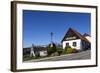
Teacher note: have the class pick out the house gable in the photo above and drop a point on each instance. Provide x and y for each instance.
(72, 35)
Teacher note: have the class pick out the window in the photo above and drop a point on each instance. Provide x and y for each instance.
(45, 52)
(74, 44)
(67, 44)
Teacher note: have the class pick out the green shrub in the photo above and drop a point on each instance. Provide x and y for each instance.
(64, 52)
(68, 50)
(60, 51)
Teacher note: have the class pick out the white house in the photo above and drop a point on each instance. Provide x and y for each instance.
(43, 53)
(75, 40)
(87, 36)
(38, 51)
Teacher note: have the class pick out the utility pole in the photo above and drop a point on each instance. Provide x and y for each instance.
(51, 36)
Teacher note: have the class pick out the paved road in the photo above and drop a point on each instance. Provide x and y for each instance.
(75, 56)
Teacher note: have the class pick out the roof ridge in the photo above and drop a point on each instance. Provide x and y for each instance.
(77, 33)
(86, 34)
(80, 35)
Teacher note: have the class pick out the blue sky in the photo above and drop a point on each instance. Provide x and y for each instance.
(37, 25)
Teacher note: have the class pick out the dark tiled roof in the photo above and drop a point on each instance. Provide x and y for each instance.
(85, 34)
(77, 33)
(40, 48)
(36, 48)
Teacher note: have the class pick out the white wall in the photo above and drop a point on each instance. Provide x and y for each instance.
(88, 38)
(43, 53)
(5, 38)
(78, 44)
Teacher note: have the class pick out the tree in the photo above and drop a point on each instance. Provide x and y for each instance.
(51, 48)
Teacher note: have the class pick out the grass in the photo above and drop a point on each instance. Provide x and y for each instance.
(30, 58)
(62, 52)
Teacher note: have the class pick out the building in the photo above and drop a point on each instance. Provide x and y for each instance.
(35, 51)
(87, 36)
(38, 51)
(75, 40)
(26, 52)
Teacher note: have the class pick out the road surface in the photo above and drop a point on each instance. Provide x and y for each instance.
(75, 56)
